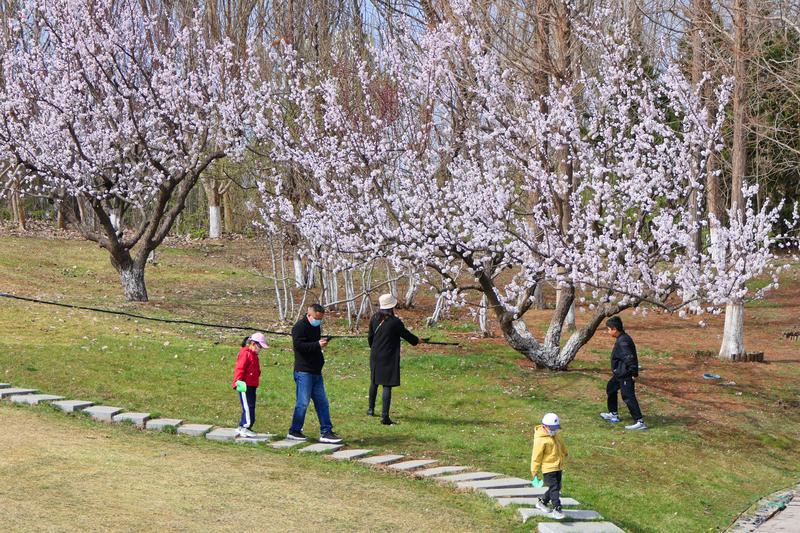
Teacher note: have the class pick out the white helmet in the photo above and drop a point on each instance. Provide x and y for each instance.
(551, 421)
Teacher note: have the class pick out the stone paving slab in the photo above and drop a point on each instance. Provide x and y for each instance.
(160, 424)
(468, 476)
(137, 419)
(572, 514)
(321, 447)
(520, 492)
(407, 466)
(259, 439)
(499, 483)
(13, 391)
(381, 459)
(579, 527)
(222, 434)
(287, 443)
(785, 521)
(71, 406)
(34, 399)
(347, 455)
(439, 470)
(505, 502)
(194, 430)
(102, 413)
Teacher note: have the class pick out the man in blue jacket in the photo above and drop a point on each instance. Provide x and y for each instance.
(624, 369)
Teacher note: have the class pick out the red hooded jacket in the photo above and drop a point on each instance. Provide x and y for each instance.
(247, 368)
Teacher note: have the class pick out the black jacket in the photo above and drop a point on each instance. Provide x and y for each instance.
(385, 332)
(624, 361)
(307, 351)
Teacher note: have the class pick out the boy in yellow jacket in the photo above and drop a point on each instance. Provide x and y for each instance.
(548, 455)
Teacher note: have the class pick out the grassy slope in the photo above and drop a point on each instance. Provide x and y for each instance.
(701, 463)
(82, 477)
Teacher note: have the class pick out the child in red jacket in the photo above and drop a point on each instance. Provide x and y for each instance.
(246, 377)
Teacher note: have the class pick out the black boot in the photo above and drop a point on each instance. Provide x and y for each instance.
(370, 412)
(386, 421)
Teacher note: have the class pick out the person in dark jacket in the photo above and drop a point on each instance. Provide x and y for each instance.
(385, 332)
(624, 370)
(309, 386)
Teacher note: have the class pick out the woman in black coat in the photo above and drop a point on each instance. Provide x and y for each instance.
(385, 332)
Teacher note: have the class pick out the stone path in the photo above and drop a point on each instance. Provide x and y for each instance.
(785, 521)
(507, 491)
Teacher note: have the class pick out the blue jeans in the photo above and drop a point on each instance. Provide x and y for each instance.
(311, 387)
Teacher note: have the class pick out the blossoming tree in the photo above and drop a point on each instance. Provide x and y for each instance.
(437, 156)
(120, 109)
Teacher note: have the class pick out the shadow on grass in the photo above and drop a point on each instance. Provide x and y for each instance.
(656, 421)
(443, 421)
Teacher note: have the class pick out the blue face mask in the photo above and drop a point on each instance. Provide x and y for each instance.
(315, 322)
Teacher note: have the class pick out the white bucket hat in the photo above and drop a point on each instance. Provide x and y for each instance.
(387, 301)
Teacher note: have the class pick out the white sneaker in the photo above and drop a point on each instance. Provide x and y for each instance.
(542, 506)
(610, 417)
(557, 514)
(244, 432)
(639, 425)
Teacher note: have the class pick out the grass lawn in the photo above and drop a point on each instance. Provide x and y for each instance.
(73, 475)
(711, 451)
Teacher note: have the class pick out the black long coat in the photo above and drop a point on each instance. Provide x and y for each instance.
(385, 332)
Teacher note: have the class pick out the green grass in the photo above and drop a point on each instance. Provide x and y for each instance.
(469, 405)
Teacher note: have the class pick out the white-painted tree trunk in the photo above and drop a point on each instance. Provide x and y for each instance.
(214, 221)
(299, 272)
(311, 276)
(483, 321)
(392, 281)
(437, 311)
(333, 290)
(412, 290)
(350, 296)
(733, 334)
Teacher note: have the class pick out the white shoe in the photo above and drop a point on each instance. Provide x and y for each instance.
(244, 432)
(542, 506)
(610, 417)
(639, 425)
(556, 514)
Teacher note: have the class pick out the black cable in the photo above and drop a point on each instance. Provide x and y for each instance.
(181, 321)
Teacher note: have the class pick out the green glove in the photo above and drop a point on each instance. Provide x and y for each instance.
(241, 386)
(537, 482)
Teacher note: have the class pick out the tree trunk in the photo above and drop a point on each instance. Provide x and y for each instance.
(411, 293)
(18, 205)
(538, 296)
(483, 322)
(228, 220)
(214, 221)
(733, 336)
(437, 311)
(569, 320)
(61, 222)
(299, 272)
(733, 333)
(132, 278)
(550, 354)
